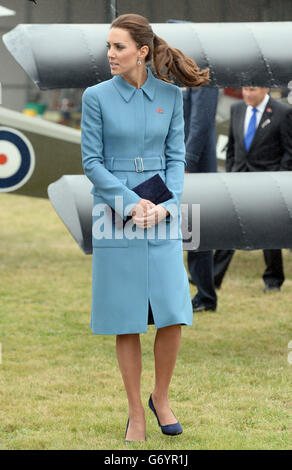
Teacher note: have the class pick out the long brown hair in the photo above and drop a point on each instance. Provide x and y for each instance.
(167, 60)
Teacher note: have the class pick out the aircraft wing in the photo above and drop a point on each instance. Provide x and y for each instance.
(35, 152)
(246, 211)
(75, 55)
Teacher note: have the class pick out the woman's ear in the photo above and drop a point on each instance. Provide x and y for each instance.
(144, 50)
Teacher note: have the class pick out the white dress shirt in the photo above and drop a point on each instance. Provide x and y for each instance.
(260, 109)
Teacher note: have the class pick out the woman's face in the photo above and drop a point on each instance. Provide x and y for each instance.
(123, 53)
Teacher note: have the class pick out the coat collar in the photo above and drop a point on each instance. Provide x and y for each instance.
(263, 104)
(127, 91)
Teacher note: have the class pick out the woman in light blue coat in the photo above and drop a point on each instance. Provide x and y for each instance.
(133, 128)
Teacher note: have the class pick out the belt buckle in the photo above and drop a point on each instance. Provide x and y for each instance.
(141, 160)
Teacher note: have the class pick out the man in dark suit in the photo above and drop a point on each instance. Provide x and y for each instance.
(200, 106)
(260, 139)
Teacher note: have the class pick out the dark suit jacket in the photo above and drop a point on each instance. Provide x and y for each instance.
(200, 106)
(271, 148)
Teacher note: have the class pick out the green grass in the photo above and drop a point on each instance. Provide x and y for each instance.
(60, 386)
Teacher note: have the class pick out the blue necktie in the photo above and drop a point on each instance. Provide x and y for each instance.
(251, 130)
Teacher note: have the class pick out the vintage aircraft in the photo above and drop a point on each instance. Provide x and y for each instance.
(227, 200)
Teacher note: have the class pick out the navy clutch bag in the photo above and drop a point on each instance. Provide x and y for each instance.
(154, 189)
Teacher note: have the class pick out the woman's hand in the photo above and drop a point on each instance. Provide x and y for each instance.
(140, 209)
(152, 214)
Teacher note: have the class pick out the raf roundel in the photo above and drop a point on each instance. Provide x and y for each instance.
(17, 159)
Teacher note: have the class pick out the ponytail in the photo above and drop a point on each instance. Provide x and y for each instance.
(176, 63)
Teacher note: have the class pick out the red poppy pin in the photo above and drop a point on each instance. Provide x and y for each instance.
(269, 110)
(159, 110)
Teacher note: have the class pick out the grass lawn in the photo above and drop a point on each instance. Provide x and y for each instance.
(60, 386)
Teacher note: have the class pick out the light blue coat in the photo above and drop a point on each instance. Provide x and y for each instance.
(129, 135)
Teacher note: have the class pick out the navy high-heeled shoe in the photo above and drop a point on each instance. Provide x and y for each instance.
(169, 429)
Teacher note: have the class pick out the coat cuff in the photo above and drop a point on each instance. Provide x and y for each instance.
(131, 201)
(172, 207)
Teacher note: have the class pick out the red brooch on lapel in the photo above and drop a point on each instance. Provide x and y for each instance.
(159, 110)
(269, 110)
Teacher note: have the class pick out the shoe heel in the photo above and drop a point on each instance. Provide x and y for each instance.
(152, 408)
(169, 429)
(127, 431)
(126, 440)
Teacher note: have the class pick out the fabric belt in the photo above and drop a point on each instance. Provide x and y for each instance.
(137, 164)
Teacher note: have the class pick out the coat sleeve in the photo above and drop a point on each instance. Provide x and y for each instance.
(175, 156)
(286, 137)
(230, 145)
(200, 118)
(106, 184)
